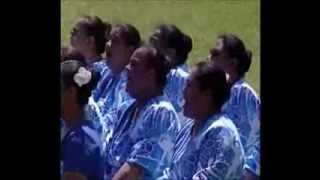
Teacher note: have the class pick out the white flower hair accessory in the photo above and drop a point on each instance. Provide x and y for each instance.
(82, 77)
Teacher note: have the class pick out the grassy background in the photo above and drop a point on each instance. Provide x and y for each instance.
(203, 20)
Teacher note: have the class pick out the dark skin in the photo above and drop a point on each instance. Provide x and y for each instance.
(157, 41)
(219, 57)
(119, 52)
(142, 86)
(198, 103)
(83, 43)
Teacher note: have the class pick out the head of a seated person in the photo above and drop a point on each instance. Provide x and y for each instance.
(147, 73)
(206, 91)
(124, 39)
(172, 42)
(77, 83)
(89, 35)
(231, 55)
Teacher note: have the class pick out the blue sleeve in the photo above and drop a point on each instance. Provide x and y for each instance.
(174, 88)
(253, 141)
(218, 157)
(73, 155)
(154, 151)
(244, 109)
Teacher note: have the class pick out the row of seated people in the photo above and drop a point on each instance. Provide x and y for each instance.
(140, 113)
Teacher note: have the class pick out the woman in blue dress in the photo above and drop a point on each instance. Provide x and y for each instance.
(208, 146)
(142, 142)
(243, 106)
(81, 155)
(110, 91)
(89, 37)
(176, 45)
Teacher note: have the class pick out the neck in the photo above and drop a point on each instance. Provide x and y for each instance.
(202, 118)
(233, 77)
(117, 67)
(72, 116)
(90, 57)
(148, 95)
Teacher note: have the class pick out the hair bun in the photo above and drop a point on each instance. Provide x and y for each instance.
(187, 42)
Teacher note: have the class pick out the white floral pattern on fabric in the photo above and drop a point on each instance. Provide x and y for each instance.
(143, 141)
(176, 82)
(215, 152)
(105, 100)
(243, 108)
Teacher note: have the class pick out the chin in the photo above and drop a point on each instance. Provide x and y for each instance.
(186, 114)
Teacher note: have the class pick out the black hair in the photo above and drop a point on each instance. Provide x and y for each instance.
(68, 69)
(130, 34)
(235, 48)
(73, 54)
(212, 78)
(159, 63)
(174, 38)
(95, 27)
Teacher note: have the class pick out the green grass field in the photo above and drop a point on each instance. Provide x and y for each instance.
(203, 20)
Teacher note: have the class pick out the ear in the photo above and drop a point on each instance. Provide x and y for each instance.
(172, 54)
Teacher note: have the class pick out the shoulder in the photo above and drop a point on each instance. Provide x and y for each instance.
(161, 104)
(161, 111)
(178, 73)
(242, 92)
(222, 127)
(244, 88)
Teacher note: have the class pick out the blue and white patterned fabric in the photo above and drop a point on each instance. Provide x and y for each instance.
(146, 141)
(184, 67)
(105, 100)
(176, 82)
(243, 108)
(215, 152)
(100, 67)
(81, 152)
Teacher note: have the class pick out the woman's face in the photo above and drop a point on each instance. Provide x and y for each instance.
(138, 73)
(218, 56)
(192, 96)
(158, 42)
(79, 39)
(119, 52)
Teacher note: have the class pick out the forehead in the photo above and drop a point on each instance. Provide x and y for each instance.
(219, 44)
(157, 33)
(117, 36)
(157, 36)
(80, 25)
(140, 55)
